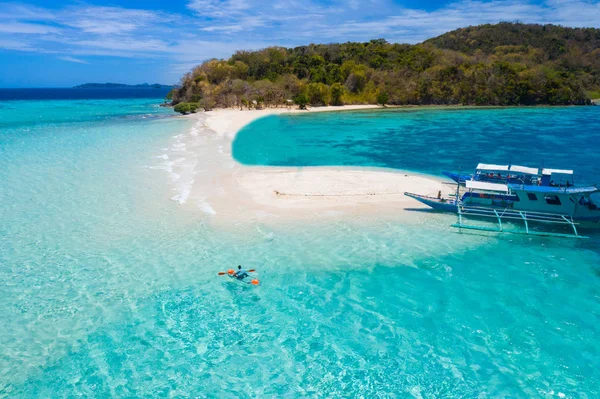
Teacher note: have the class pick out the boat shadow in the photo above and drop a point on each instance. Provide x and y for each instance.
(424, 210)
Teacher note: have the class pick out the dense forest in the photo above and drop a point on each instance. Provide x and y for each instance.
(499, 64)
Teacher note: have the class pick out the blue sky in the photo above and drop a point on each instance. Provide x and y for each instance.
(60, 43)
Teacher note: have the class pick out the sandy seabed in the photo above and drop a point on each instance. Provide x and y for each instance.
(207, 178)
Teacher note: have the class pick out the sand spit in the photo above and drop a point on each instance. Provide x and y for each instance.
(225, 190)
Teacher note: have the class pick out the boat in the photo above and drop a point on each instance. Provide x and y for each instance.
(538, 199)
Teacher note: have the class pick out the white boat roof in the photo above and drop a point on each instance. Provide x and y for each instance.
(559, 171)
(507, 168)
(486, 166)
(524, 169)
(481, 185)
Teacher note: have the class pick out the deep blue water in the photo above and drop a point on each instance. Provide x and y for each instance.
(81, 94)
(429, 140)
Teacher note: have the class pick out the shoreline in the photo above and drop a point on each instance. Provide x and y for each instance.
(354, 107)
(208, 179)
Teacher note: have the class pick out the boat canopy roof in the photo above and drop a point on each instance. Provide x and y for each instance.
(548, 172)
(480, 185)
(524, 169)
(496, 168)
(554, 190)
(508, 168)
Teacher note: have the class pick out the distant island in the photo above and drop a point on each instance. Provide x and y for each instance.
(122, 85)
(494, 64)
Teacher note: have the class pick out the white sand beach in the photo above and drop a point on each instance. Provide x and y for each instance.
(207, 178)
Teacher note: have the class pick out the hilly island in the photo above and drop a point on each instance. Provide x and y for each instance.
(495, 64)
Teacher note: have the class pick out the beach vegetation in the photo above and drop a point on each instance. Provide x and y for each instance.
(170, 94)
(182, 108)
(337, 91)
(382, 98)
(301, 100)
(494, 64)
(318, 94)
(186, 107)
(207, 104)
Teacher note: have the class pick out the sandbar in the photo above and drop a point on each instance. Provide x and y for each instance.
(207, 179)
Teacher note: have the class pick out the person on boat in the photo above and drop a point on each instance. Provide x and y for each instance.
(439, 194)
(241, 273)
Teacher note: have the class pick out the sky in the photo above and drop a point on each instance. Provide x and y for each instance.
(61, 43)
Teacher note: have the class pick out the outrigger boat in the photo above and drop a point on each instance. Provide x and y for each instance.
(536, 199)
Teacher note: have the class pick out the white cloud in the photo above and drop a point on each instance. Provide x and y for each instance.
(233, 16)
(243, 24)
(16, 45)
(139, 45)
(109, 20)
(24, 11)
(219, 8)
(414, 25)
(409, 25)
(216, 28)
(73, 59)
(26, 28)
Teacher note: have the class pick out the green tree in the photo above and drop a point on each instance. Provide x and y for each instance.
(356, 81)
(317, 93)
(301, 100)
(182, 108)
(170, 94)
(186, 108)
(337, 90)
(207, 104)
(382, 98)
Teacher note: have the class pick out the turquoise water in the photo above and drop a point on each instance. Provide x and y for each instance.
(429, 140)
(109, 289)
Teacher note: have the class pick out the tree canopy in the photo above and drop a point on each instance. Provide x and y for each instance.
(500, 64)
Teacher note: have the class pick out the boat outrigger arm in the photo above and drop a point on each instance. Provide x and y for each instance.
(516, 214)
(509, 214)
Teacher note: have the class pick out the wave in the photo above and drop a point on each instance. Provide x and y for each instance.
(181, 167)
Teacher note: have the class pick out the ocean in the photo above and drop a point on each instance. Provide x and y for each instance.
(82, 93)
(429, 140)
(110, 288)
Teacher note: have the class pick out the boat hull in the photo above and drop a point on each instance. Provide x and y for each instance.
(442, 205)
(449, 205)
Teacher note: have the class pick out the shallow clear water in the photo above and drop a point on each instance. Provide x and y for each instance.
(109, 289)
